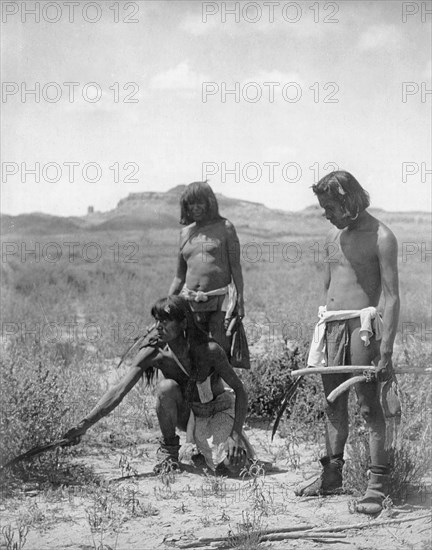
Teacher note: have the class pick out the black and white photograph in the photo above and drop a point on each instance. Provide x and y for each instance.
(216, 283)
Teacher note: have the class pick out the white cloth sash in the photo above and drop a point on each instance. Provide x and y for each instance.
(370, 324)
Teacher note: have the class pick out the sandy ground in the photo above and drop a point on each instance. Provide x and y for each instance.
(147, 512)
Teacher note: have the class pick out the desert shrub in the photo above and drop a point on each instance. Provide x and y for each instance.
(270, 377)
(303, 421)
(39, 399)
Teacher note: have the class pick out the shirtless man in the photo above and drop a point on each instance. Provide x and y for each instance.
(208, 260)
(361, 263)
(193, 367)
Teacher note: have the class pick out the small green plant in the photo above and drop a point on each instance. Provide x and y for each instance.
(167, 473)
(206, 521)
(214, 484)
(247, 535)
(133, 503)
(256, 491)
(9, 534)
(182, 509)
(104, 516)
(165, 493)
(32, 515)
(224, 517)
(125, 466)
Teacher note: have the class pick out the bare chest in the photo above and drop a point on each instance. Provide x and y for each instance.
(206, 243)
(352, 251)
(178, 366)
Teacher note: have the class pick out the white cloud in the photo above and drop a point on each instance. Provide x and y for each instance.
(181, 78)
(380, 37)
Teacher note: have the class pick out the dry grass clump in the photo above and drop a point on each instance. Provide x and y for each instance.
(39, 399)
(247, 534)
(109, 507)
(14, 538)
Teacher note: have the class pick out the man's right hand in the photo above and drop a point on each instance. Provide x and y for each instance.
(384, 369)
(74, 434)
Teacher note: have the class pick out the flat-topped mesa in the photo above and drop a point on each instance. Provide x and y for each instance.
(172, 195)
(132, 197)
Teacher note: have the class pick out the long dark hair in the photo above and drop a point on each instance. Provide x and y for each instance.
(176, 308)
(198, 191)
(344, 188)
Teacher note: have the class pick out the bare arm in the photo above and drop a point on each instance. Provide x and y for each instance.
(233, 248)
(327, 271)
(180, 276)
(109, 401)
(387, 257)
(225, 371)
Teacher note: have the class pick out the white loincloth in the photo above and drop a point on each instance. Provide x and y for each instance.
(370, 324)
(228, 291)
(210, 433)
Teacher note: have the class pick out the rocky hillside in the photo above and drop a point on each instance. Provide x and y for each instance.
(140, 211)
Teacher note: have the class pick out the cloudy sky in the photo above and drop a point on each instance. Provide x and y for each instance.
(147, 103)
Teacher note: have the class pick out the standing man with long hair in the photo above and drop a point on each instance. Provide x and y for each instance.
(208, 273)
(361, 264)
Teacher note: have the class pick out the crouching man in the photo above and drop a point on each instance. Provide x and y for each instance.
(361, 264)
(191, 397)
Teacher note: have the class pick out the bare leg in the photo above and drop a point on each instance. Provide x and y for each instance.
(337, 342)
(171, 409)
(172, 413)
(212, 322)
(371, 410)
(330, 480)
(217, 330)
(337, 416)
(368, 399)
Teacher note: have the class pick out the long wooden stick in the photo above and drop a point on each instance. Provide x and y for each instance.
(364, 524)
(357, 368)
(219, 542)
(34, 451)
(300, 527)
(317, 531)
(303, 535)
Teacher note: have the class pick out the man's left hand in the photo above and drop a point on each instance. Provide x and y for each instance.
(240, 310)
(235, 452)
